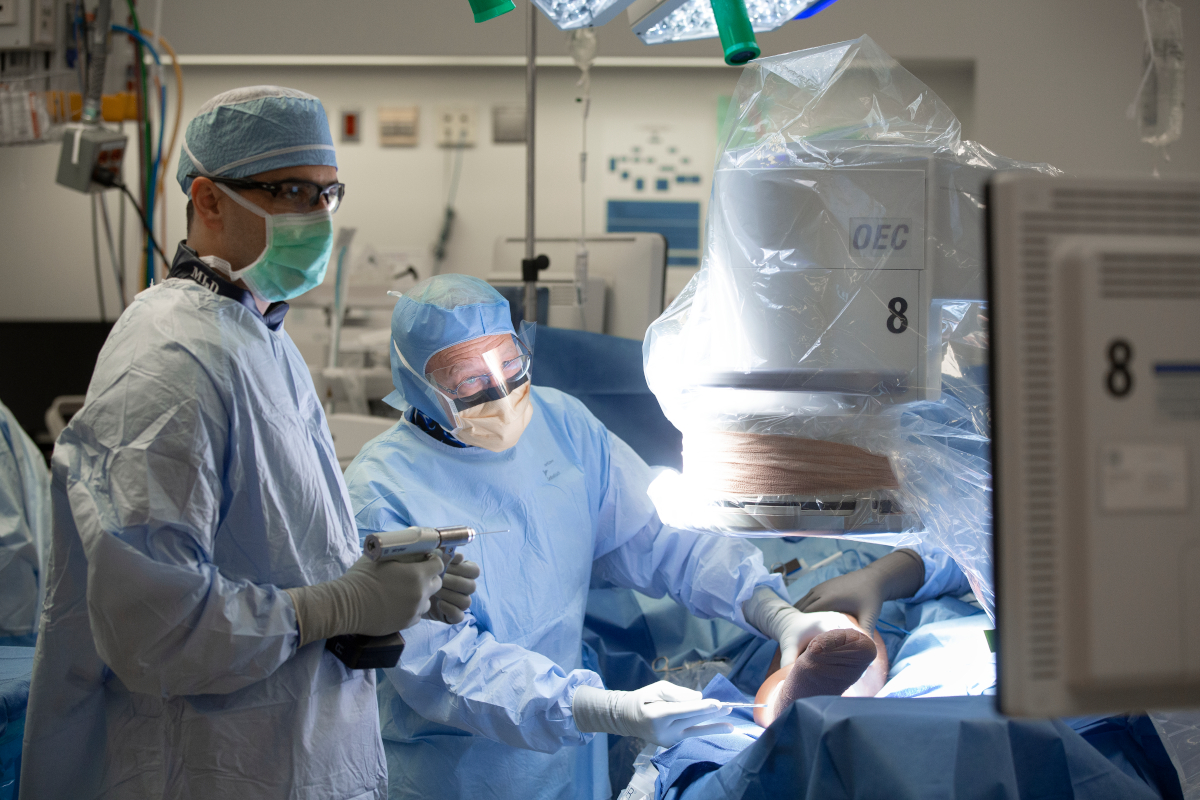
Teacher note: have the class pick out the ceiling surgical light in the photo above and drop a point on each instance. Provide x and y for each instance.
(660, 21)
(570, 14)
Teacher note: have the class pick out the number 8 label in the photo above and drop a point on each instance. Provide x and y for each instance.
(897, 322)
(1119, 380)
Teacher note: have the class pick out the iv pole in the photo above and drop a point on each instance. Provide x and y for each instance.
(530, 266)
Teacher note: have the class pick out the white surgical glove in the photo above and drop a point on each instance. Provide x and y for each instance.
(373, 597)
(662, 713)
(458, 584)
(793, 629)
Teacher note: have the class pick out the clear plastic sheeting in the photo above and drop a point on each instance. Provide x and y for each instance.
(29, 114)
(938, 452)
(827, 365)
(1158, 104)
(1180, 733)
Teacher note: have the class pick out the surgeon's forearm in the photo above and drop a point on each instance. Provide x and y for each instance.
(181, 631)
(492, 689)
(711, 576)
(943, 576)
(725, 574)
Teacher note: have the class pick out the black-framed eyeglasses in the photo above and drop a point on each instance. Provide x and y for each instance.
(299, 194)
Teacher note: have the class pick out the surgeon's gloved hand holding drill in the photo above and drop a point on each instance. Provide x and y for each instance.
(458, 584)
(437, 584)
(375, 598)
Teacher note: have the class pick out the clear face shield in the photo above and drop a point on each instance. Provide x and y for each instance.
(474, 380)
(477, 379)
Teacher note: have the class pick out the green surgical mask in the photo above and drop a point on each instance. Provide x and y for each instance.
(296, 255)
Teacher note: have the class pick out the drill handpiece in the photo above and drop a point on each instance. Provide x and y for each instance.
(359, 651)
(412, 544)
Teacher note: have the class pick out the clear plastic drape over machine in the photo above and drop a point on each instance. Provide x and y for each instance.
(828, 364)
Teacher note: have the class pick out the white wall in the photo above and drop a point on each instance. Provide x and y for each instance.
(1051, 82)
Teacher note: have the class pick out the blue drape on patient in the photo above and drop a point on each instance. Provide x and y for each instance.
(927, 748)
(16, 665)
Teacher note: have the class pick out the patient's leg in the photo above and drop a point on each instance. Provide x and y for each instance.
(871, 678)
(830, 665)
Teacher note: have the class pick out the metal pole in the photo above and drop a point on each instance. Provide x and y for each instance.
(340, 286)
(530, 114)
(95, 87)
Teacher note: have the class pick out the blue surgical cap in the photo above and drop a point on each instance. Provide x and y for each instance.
(255, 129)
(437, 313)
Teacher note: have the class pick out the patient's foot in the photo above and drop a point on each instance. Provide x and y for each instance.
(830, 665)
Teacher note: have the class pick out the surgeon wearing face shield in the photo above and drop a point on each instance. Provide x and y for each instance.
(506, 703)
(203, 545)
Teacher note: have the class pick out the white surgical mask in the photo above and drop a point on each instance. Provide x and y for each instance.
(496, 425)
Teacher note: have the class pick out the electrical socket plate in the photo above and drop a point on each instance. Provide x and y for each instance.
(8, 12)
(457, 126)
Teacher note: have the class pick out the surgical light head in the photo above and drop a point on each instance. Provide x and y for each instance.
(573, 14)
(661, 21)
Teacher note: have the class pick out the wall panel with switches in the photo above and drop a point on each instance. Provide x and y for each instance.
(26, 24)
(457, 126)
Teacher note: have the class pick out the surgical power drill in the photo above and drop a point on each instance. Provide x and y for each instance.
(359, 651)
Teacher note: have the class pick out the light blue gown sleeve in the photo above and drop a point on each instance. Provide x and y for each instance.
(462, 677)
(942, 576)
(142, 466)
(710, 575)
(24, 501)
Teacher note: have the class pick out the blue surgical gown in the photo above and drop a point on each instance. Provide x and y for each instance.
(483, 708)
(198, 481)
(943, 576)
(24, 531)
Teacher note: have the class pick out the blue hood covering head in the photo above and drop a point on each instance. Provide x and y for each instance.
(437, 313)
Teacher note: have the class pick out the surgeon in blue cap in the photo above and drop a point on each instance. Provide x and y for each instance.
(505, 704)
(203, 543)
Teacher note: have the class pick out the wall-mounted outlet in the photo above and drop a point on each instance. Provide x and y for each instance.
(456, 126)
(8, 12)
